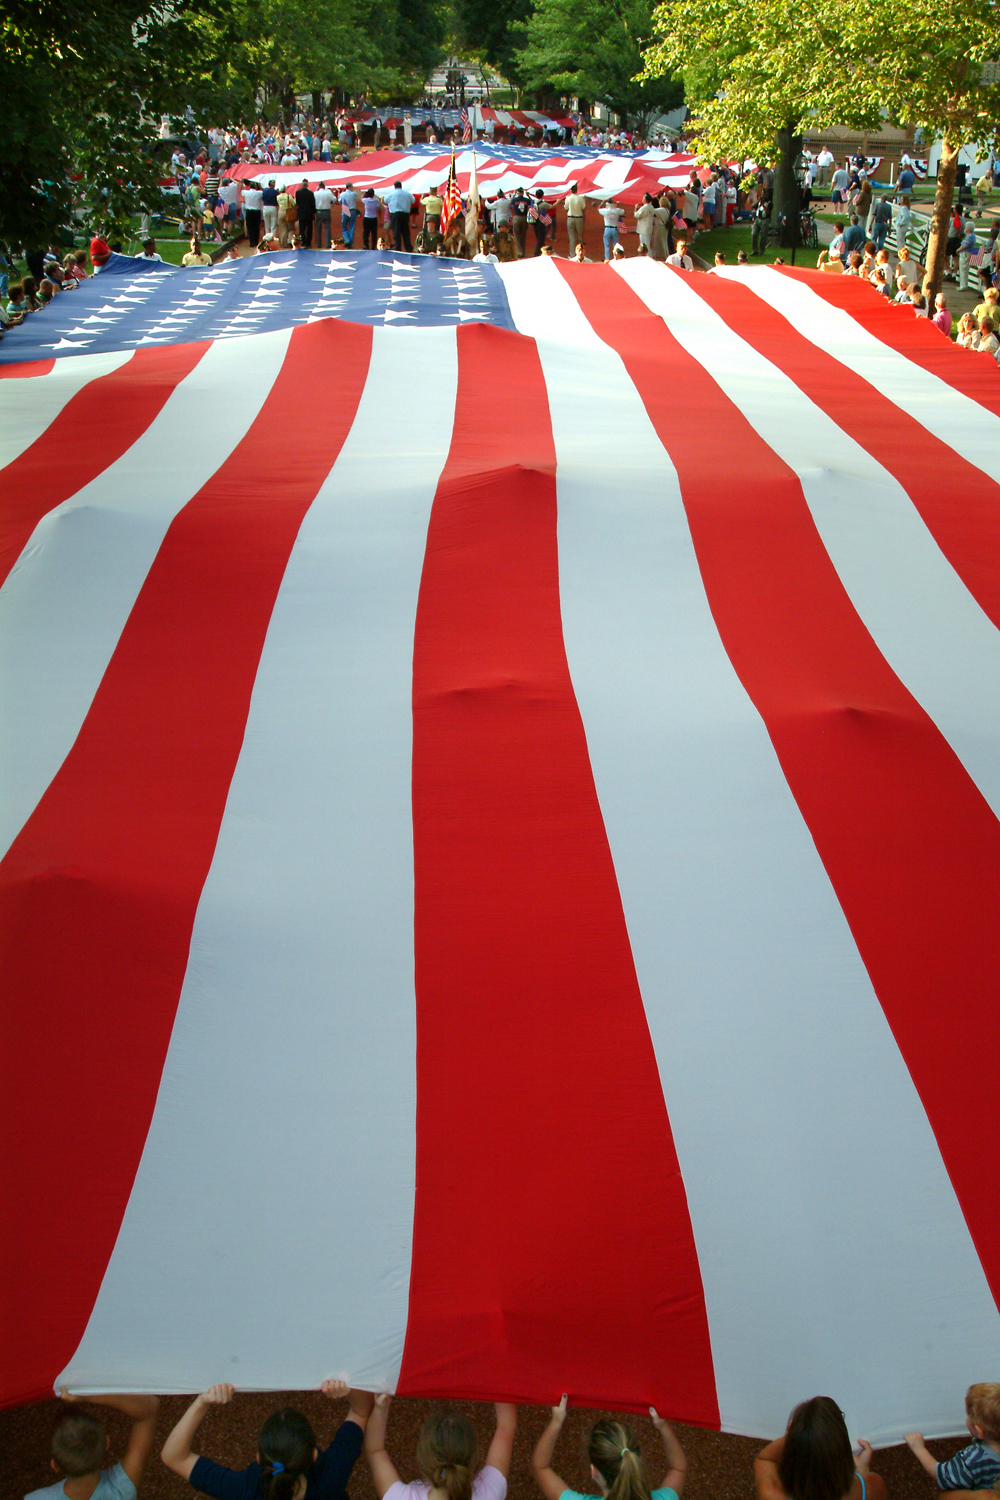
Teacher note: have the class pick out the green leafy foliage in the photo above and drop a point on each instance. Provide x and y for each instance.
(595, 51)
(773, 70)
(85, 86)
(489, 29)
(752, 67)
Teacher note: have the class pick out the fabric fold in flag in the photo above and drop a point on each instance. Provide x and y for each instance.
(508, 755)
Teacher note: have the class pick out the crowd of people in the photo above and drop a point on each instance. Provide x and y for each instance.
(851, 253)
(511, 225)
(519, 222)
(335, 137)
(814, 1459)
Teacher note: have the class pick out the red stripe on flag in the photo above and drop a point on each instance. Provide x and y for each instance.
(92, 431)
(27, 369)
(959, 504)
(539, 1103)
(910, 845)
(98, 893)
(964, 370)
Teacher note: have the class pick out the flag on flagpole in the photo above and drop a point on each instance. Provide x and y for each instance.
(472, 209)
(452, 198)
(466, 126)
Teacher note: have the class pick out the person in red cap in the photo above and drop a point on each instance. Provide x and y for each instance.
(100, 253)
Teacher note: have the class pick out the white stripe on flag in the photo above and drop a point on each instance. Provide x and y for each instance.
(927, 625)
(742, 952)
(28, 406)
(298, 1003)
(62, 610)
(951, 416)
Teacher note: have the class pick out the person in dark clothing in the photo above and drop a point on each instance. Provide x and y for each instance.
(305, 207)
(288, 1466)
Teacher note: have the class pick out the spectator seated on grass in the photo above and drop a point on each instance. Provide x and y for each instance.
(823, 264)
(967, 331)
(942, 317)
(986, 341)
(989, 307)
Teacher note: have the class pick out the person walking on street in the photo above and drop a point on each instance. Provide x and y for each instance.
(324, 207)
(612, 215)
(348, 215)
(400, 202)
(270, 208)
(369, 222)
(305, 206)
(881, 220)
(519, 206)
(253, 201)
(540, 218)
(576, 205)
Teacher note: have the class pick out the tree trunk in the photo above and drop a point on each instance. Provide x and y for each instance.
(317, 103)
(938, 242)
(787, 201)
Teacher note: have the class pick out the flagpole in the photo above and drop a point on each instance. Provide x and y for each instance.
(472, 208)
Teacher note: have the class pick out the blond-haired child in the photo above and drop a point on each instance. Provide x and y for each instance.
(978, 1466)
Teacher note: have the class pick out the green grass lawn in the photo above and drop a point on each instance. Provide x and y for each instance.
(169, 245)
(732, 241)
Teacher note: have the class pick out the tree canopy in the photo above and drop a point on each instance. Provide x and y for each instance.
(595, 51)
(85, 87)
(754, 67)
(490, 29)
(764, 73)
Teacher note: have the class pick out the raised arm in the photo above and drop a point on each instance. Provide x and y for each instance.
(545, 1476)
(383, 1469)
(921, 1452)
(499, 1453)
(176, 1451)
(676, 1462)
(143, 1411)
(359, 1403)
(765, 1471)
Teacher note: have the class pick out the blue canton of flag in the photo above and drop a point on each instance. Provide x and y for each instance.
(135, 304)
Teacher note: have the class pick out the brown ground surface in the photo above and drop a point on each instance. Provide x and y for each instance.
(719, 1466)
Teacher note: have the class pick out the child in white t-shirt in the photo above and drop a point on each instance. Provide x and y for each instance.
(446, 1457)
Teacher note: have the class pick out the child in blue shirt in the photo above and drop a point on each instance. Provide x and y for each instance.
(978, 1466)
(80, 1449)
(615, 1460)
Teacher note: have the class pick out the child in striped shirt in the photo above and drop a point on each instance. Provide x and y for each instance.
(978, 1466)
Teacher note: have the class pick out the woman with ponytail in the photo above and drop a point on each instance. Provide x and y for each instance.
(446, 1457)
(289, 1464)
(615, 1461)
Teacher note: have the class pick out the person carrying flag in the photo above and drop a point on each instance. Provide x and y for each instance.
(452, 204)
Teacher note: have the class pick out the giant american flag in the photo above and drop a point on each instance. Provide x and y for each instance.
(501, 857)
